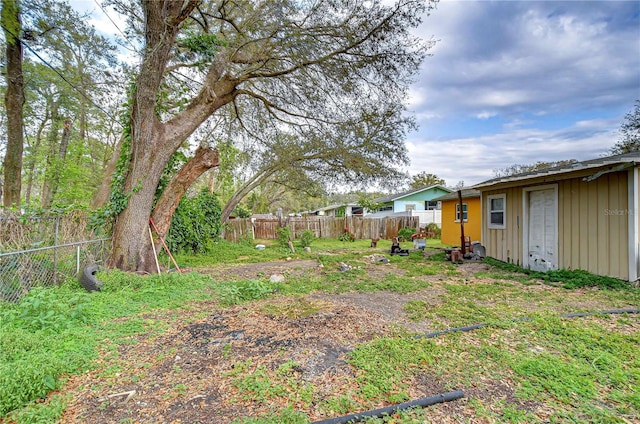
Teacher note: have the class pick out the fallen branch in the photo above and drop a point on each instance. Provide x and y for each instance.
(128, 395)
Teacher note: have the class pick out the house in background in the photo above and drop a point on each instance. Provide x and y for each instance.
(579, 216)
(418, 202)
(471, 215)
(349, 209)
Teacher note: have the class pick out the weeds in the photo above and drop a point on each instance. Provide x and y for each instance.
(582, 370)
(244, 291)
(570, 279)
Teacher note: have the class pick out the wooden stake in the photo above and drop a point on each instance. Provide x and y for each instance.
(153, 247)
(462, 241)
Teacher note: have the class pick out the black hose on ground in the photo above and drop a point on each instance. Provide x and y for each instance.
(574, 315)
(388, 410)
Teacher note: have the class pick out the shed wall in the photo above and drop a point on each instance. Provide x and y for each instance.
(451, 227)
(593, 225)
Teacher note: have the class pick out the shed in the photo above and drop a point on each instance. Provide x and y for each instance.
(471, 214)
(580, 216)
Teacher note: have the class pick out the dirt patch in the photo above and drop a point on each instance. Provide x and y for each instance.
(186, 374)
(261, 269)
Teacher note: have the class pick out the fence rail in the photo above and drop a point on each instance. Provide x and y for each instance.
(322, 227)
(45, 266)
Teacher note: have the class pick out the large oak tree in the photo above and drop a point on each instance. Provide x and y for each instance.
(311, 67)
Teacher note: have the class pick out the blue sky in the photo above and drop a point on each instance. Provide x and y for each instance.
(515, 82)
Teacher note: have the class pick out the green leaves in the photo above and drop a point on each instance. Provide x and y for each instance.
(195, 224)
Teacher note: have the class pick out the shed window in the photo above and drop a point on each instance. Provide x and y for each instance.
(496, 206)
(465, 213)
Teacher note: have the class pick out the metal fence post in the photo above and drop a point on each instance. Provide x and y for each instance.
(55, 252)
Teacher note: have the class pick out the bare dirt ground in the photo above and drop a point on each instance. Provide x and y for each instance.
(177, 377)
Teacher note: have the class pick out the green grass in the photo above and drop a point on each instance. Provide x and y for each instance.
(570, 279)
(577, 370)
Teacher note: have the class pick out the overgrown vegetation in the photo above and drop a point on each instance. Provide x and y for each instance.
(570, 279)
(404, 234)
(195, 225)
(306, 238)
(553, 370)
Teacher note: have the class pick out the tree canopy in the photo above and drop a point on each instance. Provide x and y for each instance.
(520, 168)
(313, 89)
(629, 133)
(425, 179)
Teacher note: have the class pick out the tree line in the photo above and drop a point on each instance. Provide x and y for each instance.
(252, 102)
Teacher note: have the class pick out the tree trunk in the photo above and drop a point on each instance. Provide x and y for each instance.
(204, 159)
(131, 247)
(33, 155)
(102, 195)
(50, 170)
(62, 154)
(14, 101)
(241, 193)
(151, 146)
(153, 142)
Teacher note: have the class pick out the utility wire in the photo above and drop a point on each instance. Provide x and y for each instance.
(59, 74)
(133, 47)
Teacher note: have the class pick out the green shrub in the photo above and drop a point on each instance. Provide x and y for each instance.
(347, 235)
(244, 291)
(435, 229)
(307, 237)
(284, 236)
(43, 309)
(405, 234)
(195, 224)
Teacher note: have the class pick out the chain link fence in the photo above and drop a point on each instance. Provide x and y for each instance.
(46, 266)
(44, 251)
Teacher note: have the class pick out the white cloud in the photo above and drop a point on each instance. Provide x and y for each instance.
(516, 82)
(473, 159)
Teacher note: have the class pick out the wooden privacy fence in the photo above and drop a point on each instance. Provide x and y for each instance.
(322, 227)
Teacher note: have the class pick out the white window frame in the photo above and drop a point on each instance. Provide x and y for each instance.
(465, 211)
(490, 225)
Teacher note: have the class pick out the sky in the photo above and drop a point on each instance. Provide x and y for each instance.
(513, 82)
(517, 82)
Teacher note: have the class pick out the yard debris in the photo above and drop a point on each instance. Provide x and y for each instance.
(377, 259)
(277, 278)
(128, 395)
(396, 250)
(88, 278)
(345, 267)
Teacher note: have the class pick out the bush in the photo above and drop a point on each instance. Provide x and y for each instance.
(195, 224)
(284, 236)
(307, 237)
(405, 233)
(435, 229)
(347, 235)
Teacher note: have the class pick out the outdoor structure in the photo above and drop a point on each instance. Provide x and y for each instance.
(471, 214)
(418, 202)
(580, 216)
(348, 209)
